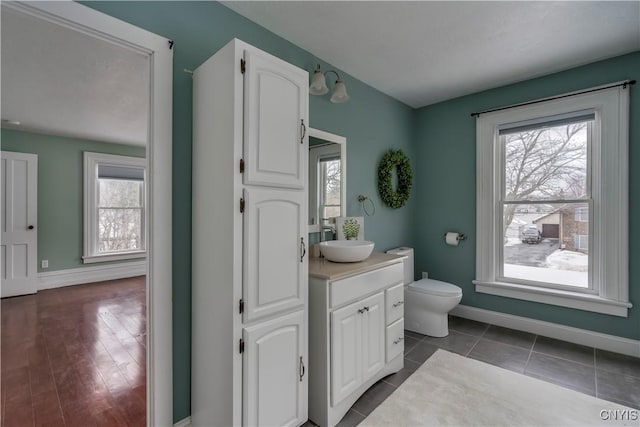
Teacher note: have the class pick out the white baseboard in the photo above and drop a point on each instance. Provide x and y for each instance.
(553, 330)
(185, 422)
(77, 276)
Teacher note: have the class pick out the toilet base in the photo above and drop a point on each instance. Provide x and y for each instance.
(431, 324)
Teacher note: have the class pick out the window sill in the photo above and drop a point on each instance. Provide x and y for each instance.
(561, 298)
(113, 257)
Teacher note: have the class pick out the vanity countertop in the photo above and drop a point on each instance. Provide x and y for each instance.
(321, 268)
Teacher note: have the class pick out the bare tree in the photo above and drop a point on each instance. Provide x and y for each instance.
(332, 188)
(544, 163)
(120, 215)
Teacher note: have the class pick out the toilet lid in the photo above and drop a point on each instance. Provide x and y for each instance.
(436, 287)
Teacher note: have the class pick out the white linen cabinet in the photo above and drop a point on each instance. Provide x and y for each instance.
(249, 263)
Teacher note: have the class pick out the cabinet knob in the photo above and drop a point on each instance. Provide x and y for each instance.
(30, 227)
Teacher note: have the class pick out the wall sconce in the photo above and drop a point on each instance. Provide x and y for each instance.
(318, 86)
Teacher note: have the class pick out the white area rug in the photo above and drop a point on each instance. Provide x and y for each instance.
(449, 389)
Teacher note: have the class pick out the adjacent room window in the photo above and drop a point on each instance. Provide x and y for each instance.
(114, 219)
(552, 201)
(325, 181)
(329, 186)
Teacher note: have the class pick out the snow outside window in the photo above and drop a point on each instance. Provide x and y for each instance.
(552, 214)
(114, 207)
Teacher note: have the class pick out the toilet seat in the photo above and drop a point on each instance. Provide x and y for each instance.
(435, 287)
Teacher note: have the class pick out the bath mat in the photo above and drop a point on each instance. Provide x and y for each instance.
(449, 389)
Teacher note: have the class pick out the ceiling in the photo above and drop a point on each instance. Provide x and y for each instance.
(60, 81)
(424, 52)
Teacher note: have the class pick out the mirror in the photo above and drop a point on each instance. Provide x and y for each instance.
(327, 178)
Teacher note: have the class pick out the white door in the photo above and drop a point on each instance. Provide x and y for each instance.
(373, 339)
(275, 259)
(19, 176)
(275, 122)
(346, 351)
(274, 364)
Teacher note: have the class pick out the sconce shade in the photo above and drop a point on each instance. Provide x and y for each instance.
(318, 84)
(339, 94)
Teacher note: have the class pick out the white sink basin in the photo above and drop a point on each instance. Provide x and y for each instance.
(346, 250)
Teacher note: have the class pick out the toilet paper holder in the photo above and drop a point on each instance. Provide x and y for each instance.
(460, 236)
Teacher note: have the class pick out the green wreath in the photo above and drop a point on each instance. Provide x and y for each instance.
(395, 160)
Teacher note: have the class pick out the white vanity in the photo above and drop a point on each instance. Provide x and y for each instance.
(356, 331)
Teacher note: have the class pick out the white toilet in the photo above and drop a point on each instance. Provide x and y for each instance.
(427, 302)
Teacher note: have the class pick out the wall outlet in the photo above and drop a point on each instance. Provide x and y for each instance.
(425, 275)
(45, 263)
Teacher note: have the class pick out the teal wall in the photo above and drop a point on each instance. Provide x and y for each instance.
(60, 192)
(371, 122)
(440, 139)
(445, 190)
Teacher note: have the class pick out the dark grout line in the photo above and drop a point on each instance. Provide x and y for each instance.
(526, 365)
(392, 385)
(565, 359)
(472, 347)
(358, 412)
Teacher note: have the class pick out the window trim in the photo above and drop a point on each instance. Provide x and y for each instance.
(579, 215)
(90, 254)
(609, 190)
(322, 183)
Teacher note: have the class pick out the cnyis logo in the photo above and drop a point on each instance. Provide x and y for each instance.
(619, 415)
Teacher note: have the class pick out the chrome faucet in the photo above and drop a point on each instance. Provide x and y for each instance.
(323, 229)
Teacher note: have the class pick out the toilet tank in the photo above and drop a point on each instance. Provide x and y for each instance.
(408, 262)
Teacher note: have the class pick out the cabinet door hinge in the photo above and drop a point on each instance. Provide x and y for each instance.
(241, 306)
(241, 165)
(243, 66)
(241, 205)
(241, 346)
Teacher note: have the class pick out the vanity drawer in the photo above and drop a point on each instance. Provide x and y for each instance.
(345, 290)
(394, 303)
(395, 340)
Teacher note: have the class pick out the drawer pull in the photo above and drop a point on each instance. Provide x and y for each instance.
(363, 309)
(399, 303)
(398, 341)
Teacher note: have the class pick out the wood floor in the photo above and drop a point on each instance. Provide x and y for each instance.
(75, 356)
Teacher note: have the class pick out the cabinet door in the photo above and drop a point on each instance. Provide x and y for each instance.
(275, 235)
(275, 384)
(275, 120)
(346, 351)
(373, 336)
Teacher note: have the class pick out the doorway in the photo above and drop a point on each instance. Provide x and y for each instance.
(84, 24)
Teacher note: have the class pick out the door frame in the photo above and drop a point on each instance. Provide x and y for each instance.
(159, 161)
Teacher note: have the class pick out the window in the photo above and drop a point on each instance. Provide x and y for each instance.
(552, 212)
(114, 214)
(329, 187)
(325, 183)
(582, 241)
(582, 214)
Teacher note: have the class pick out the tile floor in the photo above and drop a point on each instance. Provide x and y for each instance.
(599, 373)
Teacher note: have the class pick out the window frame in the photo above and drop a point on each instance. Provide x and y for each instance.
(91, 206)
(609, 204)
(322, 181)
(579, 215)
(316, 154)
